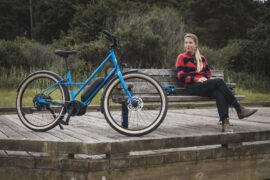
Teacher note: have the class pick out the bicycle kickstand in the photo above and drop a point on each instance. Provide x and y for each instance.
(66, 122)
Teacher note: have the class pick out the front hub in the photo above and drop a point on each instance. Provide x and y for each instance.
(135, 104)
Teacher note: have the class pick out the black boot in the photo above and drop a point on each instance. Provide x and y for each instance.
(226, 128)
(243, 112)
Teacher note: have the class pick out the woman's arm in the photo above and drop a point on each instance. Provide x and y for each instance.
(184, 73)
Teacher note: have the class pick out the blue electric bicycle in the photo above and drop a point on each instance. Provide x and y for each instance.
(45, 100)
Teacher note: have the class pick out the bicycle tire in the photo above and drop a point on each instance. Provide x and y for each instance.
(36, 116)
(149, 114)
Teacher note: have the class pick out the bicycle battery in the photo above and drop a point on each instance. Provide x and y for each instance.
(90, 89)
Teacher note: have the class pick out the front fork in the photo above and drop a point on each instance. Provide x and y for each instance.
(124, 85)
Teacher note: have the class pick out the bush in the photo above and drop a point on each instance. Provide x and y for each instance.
(150, 37)
(220, 58)
(10, 54)
(26, 53)
(153, 39)
(253, 55)
(253, 82)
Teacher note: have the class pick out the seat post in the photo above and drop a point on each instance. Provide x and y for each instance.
(64, 54)
(66, 62)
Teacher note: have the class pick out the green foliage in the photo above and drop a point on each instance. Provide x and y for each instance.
(8, 98)
(25, 53)
(254, 54)
(152, 39)
(149, 36)
(10, 54)
(14, 18)
(221, 58)
(51, 18)
(216, 22)
(89, 19)
(234, 34)
(254, 82)
(251, 96)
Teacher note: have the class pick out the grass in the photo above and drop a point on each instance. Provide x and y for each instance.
(8, 98)
(252, 96)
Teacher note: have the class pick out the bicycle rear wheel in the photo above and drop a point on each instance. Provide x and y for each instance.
(141, 115)
(40, 101)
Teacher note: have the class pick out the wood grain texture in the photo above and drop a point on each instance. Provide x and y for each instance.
(90, 134)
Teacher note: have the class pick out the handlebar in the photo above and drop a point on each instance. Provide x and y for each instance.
(111, 38)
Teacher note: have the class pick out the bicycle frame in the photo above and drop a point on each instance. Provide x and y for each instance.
(68, 81)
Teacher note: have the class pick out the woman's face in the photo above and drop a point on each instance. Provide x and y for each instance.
(190, 45)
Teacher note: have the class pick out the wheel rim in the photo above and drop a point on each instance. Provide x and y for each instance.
(142, 118)
(34, 114)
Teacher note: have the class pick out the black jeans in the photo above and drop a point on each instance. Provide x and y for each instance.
(218, 89)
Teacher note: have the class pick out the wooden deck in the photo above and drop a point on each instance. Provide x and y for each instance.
(186, 135)
(186, 125)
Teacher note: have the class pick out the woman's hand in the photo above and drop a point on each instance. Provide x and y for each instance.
(202, 79)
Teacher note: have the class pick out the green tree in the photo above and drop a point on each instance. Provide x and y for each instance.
(14, 18)
(51, 17)
(254, 55)
(152, 39)
(216, 22)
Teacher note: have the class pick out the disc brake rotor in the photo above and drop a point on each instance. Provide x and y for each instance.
(135, 104)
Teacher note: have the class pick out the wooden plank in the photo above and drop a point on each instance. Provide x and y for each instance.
(168, 72)
(126, 146)
(53, 146)
(93, 125)
(42, 135)
(77, 134)
(79, 124)
(181, 98)
(102, 131)
(174, 79)
(54, 134)
(187, 141)
(2, 135)
(22, 131)
(10, 133)
(62, 135)
(155, 71)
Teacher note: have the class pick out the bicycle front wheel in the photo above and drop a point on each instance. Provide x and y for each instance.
(137, 116)
(40, 101)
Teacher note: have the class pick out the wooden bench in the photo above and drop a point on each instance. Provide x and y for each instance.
(167, 77)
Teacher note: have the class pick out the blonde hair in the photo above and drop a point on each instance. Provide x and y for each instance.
(197, 52)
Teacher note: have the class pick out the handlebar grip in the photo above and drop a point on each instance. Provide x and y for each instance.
(111, 38)
(108, 34)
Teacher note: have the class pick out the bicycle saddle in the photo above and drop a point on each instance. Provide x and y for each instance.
(64, 53)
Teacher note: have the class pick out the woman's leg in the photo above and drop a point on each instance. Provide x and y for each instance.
(222, 105)
(211, 89)
(213, 85)
(218, 84)
(223, 111)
